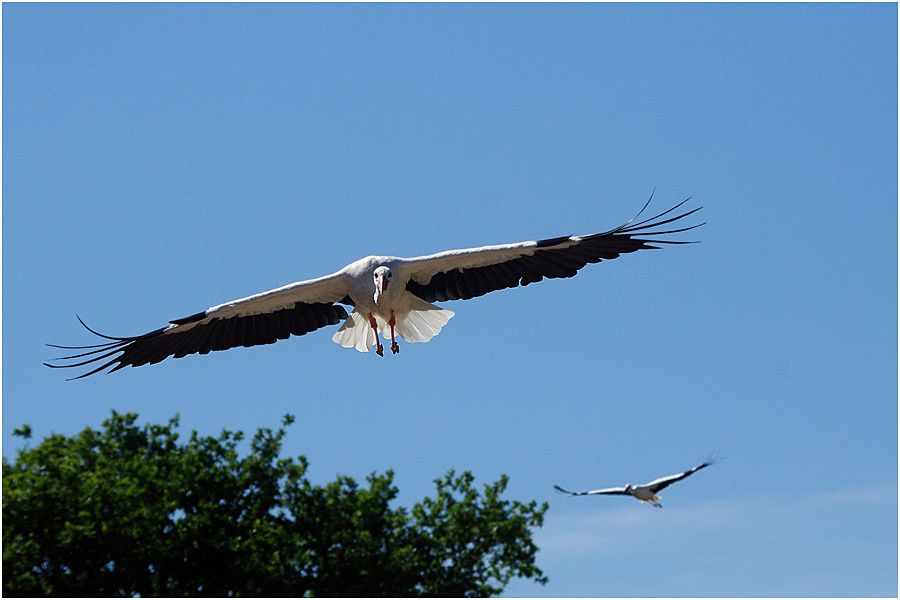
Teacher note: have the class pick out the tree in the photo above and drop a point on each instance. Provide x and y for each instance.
(129, 510)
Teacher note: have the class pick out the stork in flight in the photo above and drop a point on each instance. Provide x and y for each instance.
(646, 492)
(388, 294)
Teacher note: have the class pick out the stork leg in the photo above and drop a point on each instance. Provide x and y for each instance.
(379, 349)
(394, 347)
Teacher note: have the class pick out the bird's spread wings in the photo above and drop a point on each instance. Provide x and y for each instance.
(664, 482)
(464, 274)
(616, 491)
(265, 318)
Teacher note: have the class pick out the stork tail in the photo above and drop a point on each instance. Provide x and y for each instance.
(355, 333)
(422, 322)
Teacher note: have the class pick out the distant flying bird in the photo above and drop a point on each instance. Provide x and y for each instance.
(646, 492)
(389, 294)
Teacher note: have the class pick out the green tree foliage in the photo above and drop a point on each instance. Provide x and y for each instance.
(129, 510)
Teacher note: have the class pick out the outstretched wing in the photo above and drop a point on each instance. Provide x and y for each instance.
(664, 482)
(472, 272)
(265, 318)
(616, 491)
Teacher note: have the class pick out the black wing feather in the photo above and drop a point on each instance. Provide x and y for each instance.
(218, 334)
(606, 492)
(552, 260)
(666, 482)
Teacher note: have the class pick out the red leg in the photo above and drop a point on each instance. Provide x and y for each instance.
(379, 349)
(394, 347)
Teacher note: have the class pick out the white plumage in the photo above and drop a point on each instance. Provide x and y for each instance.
(646, 492)
(415, 320)
(390, 296)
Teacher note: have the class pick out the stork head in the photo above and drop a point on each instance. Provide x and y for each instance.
(382, 279)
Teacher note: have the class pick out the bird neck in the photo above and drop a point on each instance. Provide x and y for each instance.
(382, 299)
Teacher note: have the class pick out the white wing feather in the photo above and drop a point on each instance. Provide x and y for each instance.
(666, 480)
(614, 490)
(330, 288)
(422, 268)
(663, 482)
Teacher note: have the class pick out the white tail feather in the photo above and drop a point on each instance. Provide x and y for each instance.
(355, 333)
(422, 322)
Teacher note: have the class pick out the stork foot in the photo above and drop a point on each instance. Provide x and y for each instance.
(379, 350)
(395, 348)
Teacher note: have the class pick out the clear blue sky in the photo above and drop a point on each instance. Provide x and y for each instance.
(160, 159)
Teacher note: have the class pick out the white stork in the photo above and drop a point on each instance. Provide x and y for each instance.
(389, 294)
(646, 492)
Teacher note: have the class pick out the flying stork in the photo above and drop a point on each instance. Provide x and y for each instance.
(646, 492)
(388, 294)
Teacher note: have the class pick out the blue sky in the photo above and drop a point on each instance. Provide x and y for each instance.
(160, 159)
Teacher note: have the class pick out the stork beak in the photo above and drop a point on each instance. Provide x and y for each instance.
(382, 284)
